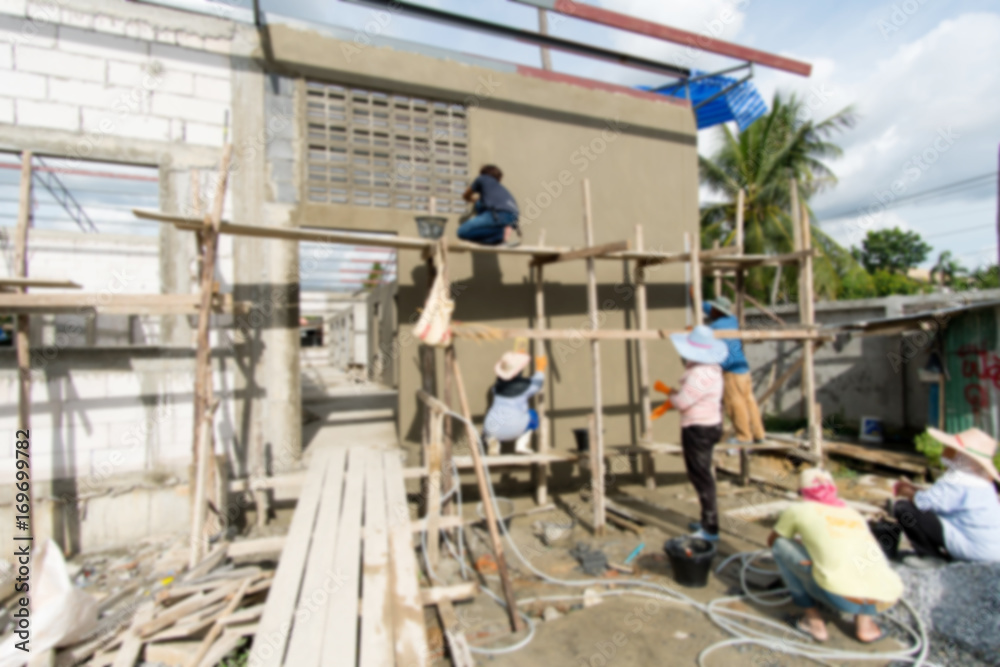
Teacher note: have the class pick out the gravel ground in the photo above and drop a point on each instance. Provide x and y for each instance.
(960, 606)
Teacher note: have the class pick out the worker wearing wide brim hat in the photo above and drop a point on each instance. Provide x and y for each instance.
(959, 516)
(699, 401)
(510, 416)
(737, 393)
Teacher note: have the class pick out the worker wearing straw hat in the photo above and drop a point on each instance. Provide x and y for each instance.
(737, 389)
(510, 417)
(699, 401)
(959, 516)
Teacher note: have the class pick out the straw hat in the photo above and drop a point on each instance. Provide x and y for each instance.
(511, 364)
(974, 444)
(719, 303)
(700, 345)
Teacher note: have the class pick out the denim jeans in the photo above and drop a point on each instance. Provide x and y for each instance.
(805, 592)
(486, 227)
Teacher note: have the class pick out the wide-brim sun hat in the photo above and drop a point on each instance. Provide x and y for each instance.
(511, 364)
(976, 445)
(700, 345)
(723, 305)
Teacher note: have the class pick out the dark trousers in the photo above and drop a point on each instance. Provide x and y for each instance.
(922, 528)
(698, 443)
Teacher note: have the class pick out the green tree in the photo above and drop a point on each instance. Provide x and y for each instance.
(887, 283)
(891, 249)
(374, 276)
(857, 284)
(947, 269)
(985, 277)
(762, 160)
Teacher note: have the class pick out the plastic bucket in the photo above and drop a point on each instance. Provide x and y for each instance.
(430, 226)
(582, 436)
(690, 559)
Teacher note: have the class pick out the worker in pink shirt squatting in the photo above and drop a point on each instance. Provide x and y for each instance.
(699, 400)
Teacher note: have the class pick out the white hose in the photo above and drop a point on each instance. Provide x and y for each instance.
(743, 631)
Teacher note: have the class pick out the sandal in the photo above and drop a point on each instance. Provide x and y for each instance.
(804, 628)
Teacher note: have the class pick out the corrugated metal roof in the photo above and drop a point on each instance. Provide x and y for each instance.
(873, 326)
(741, 102)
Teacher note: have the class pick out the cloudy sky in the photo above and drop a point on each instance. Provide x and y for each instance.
(921, 74)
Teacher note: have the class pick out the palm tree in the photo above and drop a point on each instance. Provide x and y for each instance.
(762, 159)
(947, 269)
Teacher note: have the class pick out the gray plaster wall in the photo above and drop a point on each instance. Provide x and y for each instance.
(858, 376)
(640, 156)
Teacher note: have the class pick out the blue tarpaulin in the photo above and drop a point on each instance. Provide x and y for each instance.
(741, 103)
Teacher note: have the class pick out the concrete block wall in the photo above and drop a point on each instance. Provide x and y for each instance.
(872, 376)
(99, 415)
(100, 73)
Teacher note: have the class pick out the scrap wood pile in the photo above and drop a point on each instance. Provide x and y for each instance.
(156, 610)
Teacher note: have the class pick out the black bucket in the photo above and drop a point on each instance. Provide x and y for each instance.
(582, 436)
(690, 559)
(887, 534)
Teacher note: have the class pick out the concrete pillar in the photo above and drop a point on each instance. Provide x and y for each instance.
(266, 340)
(178, 253)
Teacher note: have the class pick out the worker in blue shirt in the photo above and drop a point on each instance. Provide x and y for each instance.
(497, 213)
(737, 394)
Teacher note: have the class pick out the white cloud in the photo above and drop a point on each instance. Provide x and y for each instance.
(720, 19)
(927, 113)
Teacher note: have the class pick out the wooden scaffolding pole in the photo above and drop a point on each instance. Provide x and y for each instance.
(802, 235)
(645, 400)
(694, 242)
(541, 471)
(21, 271)
(597, 441)
(740, 206)
(484, 493)
(204, 457)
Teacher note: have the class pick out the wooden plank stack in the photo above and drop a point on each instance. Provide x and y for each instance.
(353, 508)
(195, 621)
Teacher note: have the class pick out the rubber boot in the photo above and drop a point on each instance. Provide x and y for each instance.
(523, 444)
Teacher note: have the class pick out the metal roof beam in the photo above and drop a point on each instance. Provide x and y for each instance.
(526, 36)
(667, 34)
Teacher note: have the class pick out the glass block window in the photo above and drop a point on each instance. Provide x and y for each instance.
(368, 148)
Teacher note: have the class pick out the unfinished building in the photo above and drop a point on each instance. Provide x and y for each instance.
(331, 142)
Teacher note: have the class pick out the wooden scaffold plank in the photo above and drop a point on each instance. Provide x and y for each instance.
(597, 439)
(341, 626)
(645, 399)
(410, 634)
(541, 471)
(376, 613)
(305, 645)
(273, 632)
(483, 484)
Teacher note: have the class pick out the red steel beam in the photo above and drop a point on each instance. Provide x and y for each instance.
(666, 33)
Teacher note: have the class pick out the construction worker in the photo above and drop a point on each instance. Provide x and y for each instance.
(829, 558)
(958, 518)
(495, 221)
(737, 397)
(699, 401)
(510, 416)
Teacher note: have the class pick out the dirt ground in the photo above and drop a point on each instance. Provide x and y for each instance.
(632, 630)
